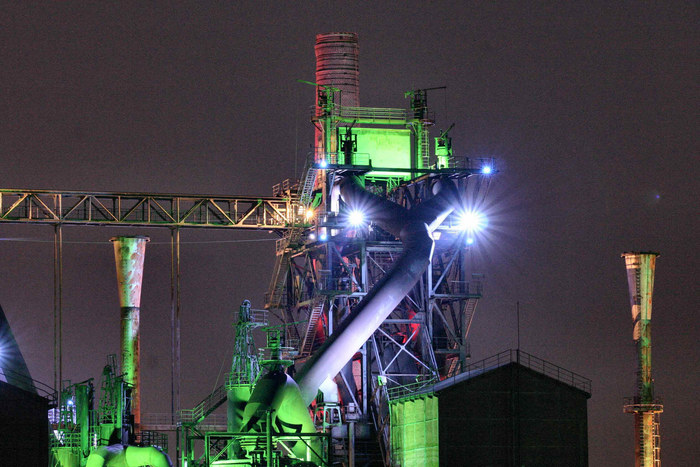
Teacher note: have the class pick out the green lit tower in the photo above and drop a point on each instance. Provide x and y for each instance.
(245, 366)
(644, 405)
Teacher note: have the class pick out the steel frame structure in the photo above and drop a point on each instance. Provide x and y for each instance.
(324, 270)
(147, 210)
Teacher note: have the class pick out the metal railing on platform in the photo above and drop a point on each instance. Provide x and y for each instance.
(533, 363)
(421, 386)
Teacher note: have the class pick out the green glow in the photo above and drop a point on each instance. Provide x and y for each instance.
(414, 432)
(390, 148)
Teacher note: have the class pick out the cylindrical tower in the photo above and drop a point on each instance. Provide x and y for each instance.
(338, 77)
(337, 65)
(129, 253)
(645, 407)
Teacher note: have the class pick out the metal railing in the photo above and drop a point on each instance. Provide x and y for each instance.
(635, 404)
(204, 408)
(533, 363)
(373, 113)
(152, 438)
(496, 361)
(15, 378)
(146, 209)
(64, 439)
(422, 386)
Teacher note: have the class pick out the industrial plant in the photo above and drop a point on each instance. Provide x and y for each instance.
(366, 321)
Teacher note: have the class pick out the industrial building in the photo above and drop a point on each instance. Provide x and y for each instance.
(510, 409)
(366, 319)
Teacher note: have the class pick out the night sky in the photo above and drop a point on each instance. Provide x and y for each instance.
(590, 110)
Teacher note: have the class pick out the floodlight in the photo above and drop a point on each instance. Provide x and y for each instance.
(323, 237)
(309, 214)
(312, 236)
(323, 163)
(356, 218)
(471, 221)
(486, 169)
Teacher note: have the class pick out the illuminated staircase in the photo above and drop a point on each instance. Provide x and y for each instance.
(306, 189)
(315, 314)
(213, 401)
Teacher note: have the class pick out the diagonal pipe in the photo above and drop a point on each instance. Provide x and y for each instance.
(414, 227)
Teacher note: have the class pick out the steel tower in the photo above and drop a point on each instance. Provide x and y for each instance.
(325, 268)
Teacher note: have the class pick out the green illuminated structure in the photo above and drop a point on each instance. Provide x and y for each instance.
(129, 255)
(405, 274)
(414, 431)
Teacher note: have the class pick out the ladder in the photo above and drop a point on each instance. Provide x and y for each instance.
(316, 312)
(425, 147)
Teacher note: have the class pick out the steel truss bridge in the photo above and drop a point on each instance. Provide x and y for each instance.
(147, 210)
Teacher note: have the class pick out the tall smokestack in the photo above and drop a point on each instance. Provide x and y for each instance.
(129, 253)
(646, 409)
(337, 66)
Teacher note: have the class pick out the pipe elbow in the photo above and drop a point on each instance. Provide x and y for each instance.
(140, 456)
(416, 237)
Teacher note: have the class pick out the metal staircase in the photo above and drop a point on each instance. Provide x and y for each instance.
(195, 416)
(307, 187)
(277, 283)
(279, 273)
(315, 314)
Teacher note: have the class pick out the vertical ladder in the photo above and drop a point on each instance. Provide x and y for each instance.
(657, 441)
(425, 146)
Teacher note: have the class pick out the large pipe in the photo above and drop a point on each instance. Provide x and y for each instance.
(277, 392)
(640, 278)
(128, 456)
(129, 253)
(414, 228)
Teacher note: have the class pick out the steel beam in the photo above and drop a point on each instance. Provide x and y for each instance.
(147, 209)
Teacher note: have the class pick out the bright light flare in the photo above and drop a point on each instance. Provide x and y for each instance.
(323, 163)
(471, 221)
(486, 169)
(356, 218)
(309, 214)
